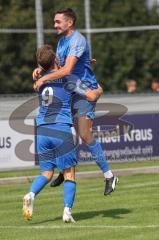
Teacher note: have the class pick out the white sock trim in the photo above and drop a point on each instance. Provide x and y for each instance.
(32, 194)
(108, 174)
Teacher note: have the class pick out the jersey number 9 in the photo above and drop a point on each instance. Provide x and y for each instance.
(47, 96)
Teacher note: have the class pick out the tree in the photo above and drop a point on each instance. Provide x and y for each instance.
(120, 56)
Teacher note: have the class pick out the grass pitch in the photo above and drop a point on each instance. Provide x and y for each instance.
(130, 213)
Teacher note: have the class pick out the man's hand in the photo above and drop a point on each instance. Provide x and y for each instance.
(100, 91)
(36, 73)
(93, 63)
(38, 84)
(94, 95)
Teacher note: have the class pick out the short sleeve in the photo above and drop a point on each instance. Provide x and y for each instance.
(77, 47)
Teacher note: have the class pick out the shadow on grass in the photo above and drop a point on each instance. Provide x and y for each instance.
(117, 213)
(111, 213)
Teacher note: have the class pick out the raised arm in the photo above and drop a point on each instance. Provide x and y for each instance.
(62, 72)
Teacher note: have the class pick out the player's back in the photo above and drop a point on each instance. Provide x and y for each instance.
(76, 45)
(54, 104)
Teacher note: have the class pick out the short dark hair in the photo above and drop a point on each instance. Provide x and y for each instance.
(45, 57)
(68, 12)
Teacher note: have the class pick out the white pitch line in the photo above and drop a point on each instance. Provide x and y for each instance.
(80, 226)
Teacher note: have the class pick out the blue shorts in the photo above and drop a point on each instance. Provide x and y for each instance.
(55, 147)
(82, 107)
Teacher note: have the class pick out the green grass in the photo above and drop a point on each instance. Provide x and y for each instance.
(83, 168)
(130, 213)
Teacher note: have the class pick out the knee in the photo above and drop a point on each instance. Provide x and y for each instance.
(69, 174)
(48, 175)
(86, 137)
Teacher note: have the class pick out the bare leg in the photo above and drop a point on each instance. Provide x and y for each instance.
(84, 129)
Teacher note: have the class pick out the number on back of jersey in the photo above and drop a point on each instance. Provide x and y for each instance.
(47, 96)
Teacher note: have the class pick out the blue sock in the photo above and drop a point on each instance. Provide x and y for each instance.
(69, 193)
(98, 156)
(38, 184)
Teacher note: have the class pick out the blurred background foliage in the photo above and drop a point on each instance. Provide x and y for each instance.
(120, 56)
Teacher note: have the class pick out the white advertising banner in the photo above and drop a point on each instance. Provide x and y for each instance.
(15, 146)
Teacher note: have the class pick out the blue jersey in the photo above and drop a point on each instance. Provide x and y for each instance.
(54, 103)
(76, 45)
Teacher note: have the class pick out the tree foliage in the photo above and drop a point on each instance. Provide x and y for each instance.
(120, 56)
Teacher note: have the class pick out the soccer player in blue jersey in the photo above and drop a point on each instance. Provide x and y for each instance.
(73, 56)
(55, 145)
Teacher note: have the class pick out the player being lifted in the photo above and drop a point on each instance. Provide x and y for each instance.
(74, 57)
(55, 145)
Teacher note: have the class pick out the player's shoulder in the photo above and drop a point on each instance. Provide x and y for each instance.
(79, 35)
(78, 38)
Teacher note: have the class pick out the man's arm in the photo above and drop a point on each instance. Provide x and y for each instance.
(83, 90)
(62, 72)
(94, 95)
